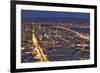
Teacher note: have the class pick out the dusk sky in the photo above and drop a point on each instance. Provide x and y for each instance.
(53, 14)
(34, 13)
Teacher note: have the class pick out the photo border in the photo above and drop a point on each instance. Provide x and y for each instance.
(13, 35)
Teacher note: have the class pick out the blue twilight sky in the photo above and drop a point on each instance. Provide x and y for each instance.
(53, 14)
